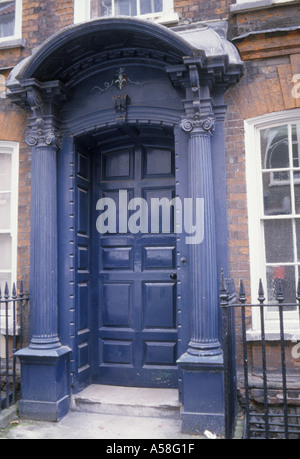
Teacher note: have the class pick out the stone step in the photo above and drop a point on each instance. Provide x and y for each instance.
(128, 401)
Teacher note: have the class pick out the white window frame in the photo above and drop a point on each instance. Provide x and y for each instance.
(12, 148)
(260, 1)
(18, 24)
(255, 224)
(82, 12)
(249, 5)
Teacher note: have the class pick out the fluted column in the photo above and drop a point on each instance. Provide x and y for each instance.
(44, 307)
(45, 363)
(204, 290)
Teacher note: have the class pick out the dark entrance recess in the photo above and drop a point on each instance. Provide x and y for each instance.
(126, 282)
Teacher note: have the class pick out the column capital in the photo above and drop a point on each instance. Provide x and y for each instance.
(41, 136)
(199, 124)
(44, 103)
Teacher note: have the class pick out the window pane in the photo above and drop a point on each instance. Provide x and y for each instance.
(277, 193)
(297, 191)
(125, 8)
(7, 19)
(5, 214)
(296, 145)
(5, 277)
(5, 172)
(5, 252)
(279, 241)
(151, 6)
(101, 8)
(275, 148)
(287, 275)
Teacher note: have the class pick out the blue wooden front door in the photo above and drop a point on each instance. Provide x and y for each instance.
(135, 334)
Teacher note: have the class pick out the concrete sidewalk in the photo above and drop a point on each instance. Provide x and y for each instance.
(88, 426)
(107, 412)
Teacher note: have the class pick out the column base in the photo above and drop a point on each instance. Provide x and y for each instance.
(44, 383)
(203, 394)
(198, 423)
(44, 411)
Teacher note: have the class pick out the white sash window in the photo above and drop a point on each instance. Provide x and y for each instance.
(10, 20)
(157, 10)
(8, 218)
(273, 190)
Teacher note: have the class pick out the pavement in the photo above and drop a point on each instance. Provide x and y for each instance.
(89, 426)
(106, 412)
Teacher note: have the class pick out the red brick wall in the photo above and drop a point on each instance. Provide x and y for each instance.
(202, 10)
(236, 192)
(42, 18)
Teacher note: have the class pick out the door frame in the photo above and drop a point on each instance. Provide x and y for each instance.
(86, 339)
(66, 225)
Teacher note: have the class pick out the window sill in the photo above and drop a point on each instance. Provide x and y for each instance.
(10, 331)
(161, 18)
(11, 43)
(272, 335)
(259, 4)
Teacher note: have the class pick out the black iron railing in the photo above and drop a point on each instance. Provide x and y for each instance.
(11, 320)
(268, 392)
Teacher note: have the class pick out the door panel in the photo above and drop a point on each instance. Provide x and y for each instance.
(159, 258)
(158, 305)
(158, 162)
(117, 298)
(135, 298)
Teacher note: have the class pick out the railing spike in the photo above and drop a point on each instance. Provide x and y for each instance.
(223, 290)
(222, 282)
(261, 293)
(11, 318)
(242, 292)
(279, 291)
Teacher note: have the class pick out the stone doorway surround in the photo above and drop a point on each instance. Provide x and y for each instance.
(198, 64)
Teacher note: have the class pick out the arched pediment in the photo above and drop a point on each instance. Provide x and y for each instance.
(80, 50)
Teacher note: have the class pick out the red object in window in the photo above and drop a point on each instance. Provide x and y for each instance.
(278, 272)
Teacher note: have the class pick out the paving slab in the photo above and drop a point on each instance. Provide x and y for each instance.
(80, 425)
